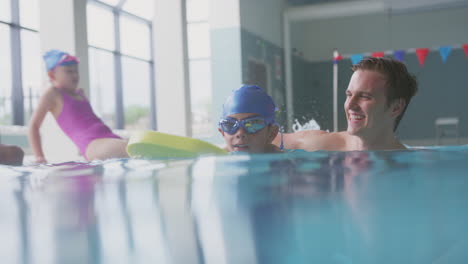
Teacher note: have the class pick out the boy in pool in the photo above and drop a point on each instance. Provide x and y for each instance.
(248, 121)
(73, 113)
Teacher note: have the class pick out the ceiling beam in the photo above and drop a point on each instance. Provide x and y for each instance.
(332, 10)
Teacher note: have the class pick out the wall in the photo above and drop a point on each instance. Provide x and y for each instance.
(171, 70)
(367, 33)
(263, 18)
(226, 64)
(226, 61)
(260, 50)
(262, 41)
(443, 93)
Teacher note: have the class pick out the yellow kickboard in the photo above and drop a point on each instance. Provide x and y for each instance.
(157, 145)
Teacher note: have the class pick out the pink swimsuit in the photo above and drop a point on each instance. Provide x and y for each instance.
(79, 122)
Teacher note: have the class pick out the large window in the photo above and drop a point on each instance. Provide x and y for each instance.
(121, 62)
(198, 39)
(136, 76)
(31, 61)
(20, 63)
(101, 71)
(29, 13)
(5, 10)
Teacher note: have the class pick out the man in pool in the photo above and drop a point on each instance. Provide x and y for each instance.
(378, 94)
(248, 121)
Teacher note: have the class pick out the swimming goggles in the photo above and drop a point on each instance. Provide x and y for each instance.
(251, 125)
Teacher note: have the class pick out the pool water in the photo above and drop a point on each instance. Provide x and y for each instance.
(320, 207)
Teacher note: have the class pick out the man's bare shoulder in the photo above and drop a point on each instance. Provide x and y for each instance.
(310, 133)
(312, 140)
(330, 141)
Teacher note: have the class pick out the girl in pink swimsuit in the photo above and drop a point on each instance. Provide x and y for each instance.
(73, 113)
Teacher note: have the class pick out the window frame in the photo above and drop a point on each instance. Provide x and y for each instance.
(192, 58)
(17, 96)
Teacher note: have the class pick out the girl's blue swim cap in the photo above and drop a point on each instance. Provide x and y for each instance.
(54, 58)
(250, 99)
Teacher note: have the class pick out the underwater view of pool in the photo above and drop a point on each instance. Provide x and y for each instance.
(298, 207)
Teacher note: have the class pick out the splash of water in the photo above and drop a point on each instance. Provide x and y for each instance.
(309, 125)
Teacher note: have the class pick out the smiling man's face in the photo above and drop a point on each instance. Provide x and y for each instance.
(366, 106)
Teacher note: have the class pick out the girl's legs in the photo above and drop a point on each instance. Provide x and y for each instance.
(107, 148)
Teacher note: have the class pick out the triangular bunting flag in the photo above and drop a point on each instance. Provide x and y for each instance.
(445, 52)
(378, 54)
(399, 55)
(422, 54)
(465, 48)
(336, 57)
(356, 58)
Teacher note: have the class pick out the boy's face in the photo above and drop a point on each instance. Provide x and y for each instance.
(253, 143)
(65, 77)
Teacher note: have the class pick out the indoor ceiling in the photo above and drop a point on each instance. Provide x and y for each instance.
(310, 2)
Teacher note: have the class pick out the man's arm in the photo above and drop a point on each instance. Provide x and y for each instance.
(309, 140)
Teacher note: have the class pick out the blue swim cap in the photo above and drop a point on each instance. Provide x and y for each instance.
(54, 58)
(250, 99)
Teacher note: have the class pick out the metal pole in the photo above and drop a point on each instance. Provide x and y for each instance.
(335, 92)
(17, 83)
(288, 66)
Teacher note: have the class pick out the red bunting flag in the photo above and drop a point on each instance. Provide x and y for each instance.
(378, 54)
(422, 54)
(336, 56)
(465, 48)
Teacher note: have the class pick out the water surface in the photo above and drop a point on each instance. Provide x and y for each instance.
(321, 207)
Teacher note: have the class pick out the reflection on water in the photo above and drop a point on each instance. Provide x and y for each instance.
(322, 207)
